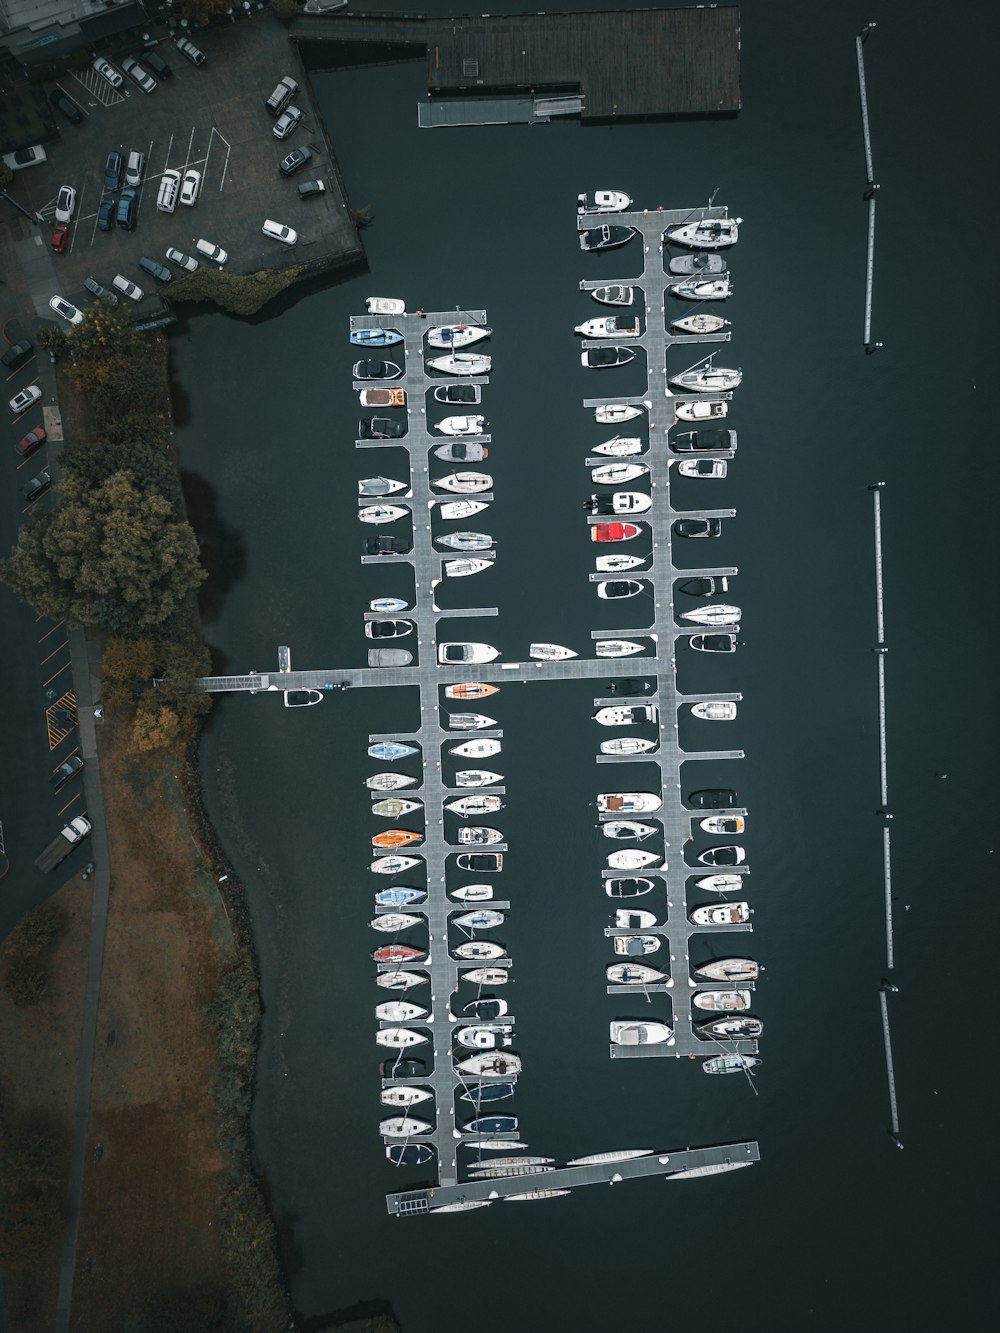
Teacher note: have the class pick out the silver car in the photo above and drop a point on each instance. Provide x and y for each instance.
(182, 260)
(107, 72)
(286, 122)
(138, 74)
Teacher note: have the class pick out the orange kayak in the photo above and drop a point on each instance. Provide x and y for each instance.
(396, 837)
(473, 689)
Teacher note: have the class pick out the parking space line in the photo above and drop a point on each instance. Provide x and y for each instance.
(225, 165)
(50, 631)
(64, 667)
(187, 155)
(21, 367)
(72, 99)
(64, 644)
(72, 801)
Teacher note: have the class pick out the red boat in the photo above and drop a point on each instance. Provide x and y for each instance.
(472, 689)
(398, 953)
(614, 532)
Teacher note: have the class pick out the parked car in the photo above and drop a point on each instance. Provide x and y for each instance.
(211, 251)
(66, 106)
(113, 171)
(66, 770)
(16, 354)
(66, 310)
(182, 260)
(279, 232)
(139, 75)
(101, 293)
(136, 168)
(26, 157)
(191, 187)
(286, 122)
(166, 196)
(24, 398)
(106, 213)
(189, 49)
(126, 287)
(157, 64)
(59, 239)
(27, 444)
(298, 157)
(107, 72)
(308, 189)
(127, 207)
(698, 527)
(65, 203)
(155, 270)
(37, 486)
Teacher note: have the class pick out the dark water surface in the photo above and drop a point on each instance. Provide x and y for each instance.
(835, 1229)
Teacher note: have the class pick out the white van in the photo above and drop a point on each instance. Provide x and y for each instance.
(166, 199)
(282, 95)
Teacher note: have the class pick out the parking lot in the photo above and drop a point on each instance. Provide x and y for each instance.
(211, 118)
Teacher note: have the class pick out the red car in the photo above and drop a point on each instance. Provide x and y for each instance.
(60, 235)
(31, 442)
(614, 532)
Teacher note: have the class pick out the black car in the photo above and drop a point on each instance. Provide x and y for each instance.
(113, 169)
(66, 106)
(155, 270)
(381, 428)
(101, 293)
(383, 545)
(16, 354)
(127, 209)
(66, 770)
(713, 798)
(309, 189)
(37, 486)
(106, 213)
(157, 64)
(697, 441)
(298, 157)
(698, 527)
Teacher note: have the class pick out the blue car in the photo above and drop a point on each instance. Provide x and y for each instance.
(113, 169)
(126, 209)
(106, 213)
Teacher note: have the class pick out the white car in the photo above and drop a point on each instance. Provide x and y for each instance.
(65, 203)
(127, 288)
(286, 122)
(138, 74)
(182, 260)
(26, 157)
(107, 72)
(279, 232)
(24, 398)
(211, 251)
(191, 187)
(66, 310)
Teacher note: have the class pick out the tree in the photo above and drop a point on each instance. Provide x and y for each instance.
(147, 461)
(156, 727)
(110, 555)
(6, 175)
(286, 9)
(200, 11)
(51, 339)
(129, 660)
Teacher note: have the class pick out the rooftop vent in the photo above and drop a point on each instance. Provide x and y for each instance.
(470, 68)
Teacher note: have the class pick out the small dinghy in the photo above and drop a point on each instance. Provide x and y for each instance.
(719, 883)
(729, 969)
(382, 397)
(603, 358)
(475, 805)
(631, 858)
(488, 1064)
(450, 336)
(382, 513)
(627, 828)
(627, 745)
(605, 201)
(702, 409)
(481, 919)
(477, 1093)
(628, 802)
(473, 893)
(616, 564)
(465, 394)
(486, 976)
(550, 652)
(395, 838)
(617, 648)
(400, 1039)
(403, 1095)
(613, 590)
(731, 855)
(460, 509)
(470, 721)
(698, 266)
(385, 305)
(409, 1154)
(611, 414)
(390, 923)
(705, 468)
(706, 234)
(622, 446)
(479, 835)
(402, 1126)
(614, 294)
(639, 1034)
(461, 425)
(731, 1027)
(722, 1001)
(375, 337)
(723, 824)
(376, 370)
(614, 532)
(391, 749)
(478, 749)
(387, 629)
(616, 474)
(610, 326)
(629, 715)
(399, 896)
(466, 541)
(394, 865)
(389, 781)
(730, 1064)
(380, 486)
(462, 451)
(634, 974)
(634, 946)
(717, 614)
(479, 950)
(619, 502)
(708, 379)
(464, 483)
(605, 237)
(462, 569)
(386, 605)
(461, 363)
(714, 289)
(401, 980)
(477, 777)
(714, 712)
(470, 689)
(721, 914)
(628, 888)
(713, 643)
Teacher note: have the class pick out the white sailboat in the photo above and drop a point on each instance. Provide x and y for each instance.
(617, 564)
(621, 446)
(627, 745)
(550, 652)
(461, 363)
(463, 569)
(616, 474)
(617, 648)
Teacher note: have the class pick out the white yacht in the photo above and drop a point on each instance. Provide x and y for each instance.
(729, 969)
(483, 919)
(477, 749)
(450, 653)
(404, 1095)
(615, 590)
(403, 1126)
(706, 234)
(628, 802)
(380, 486)
(385, 305)
(387, 605)
(605, 201)
(701, 289)
(473, 893)
(611, 414)
(634, 974)
(618, 564)
(465, 541)
(394, 807)
(464, 483)
(634, 946)
(722, 914)
(720, 883)
(474, 425)
(722, 1001)
(699, 324)
(478, 835)
(470, 721)
(617, 474)
(389, 781)
(479, 950)
(451, 336)
(631, 858)
(399, 1039)
(627, 828)
(706, 469)
(399, 1011)
(702, 409)
(391, 922)
(714, 712)
(477, 777)
(629, 715)
(614, 294)
(627, 1033)
(723, 824)
(621, 446)
(621, 1155)
(394, 865)
(617, 648)
(719, 613)
(475, 805)
(609, 326)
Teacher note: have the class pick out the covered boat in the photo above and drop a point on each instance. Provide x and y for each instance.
(470, 689)
(486, 1009)
(628, 802)
(468, 394)
(617, 474)
(610, 326)
(719, 711)
(625, 1032)
(375, 337)
(620, 446)
(486, 863)
(722, 1001)
(380, 486)
(634, 974)
(409, 1154)
(615, 293)
(605, 237)
(462, 451)
(698, 266)
(708, 379)
(706, 233)
(704, 587)
(603, 358)
(467, 425)
(699, 324)
(614, 532)
(612, 414)
(388, 629)
(628, 888)
(477, 1093)
(721, 914)
(491, 1124)
(702, 409)
(385, 305)
(461, 363)
(450, 336)
(711, 289)
(550, 652)
(372, 369)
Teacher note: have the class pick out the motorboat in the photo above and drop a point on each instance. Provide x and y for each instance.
(605, 237)
(713, 643)
(628, 888)
(375, 337)
(729, 1064)
(386, 605)
(634, 946)
(612, 414)
(470, 721)
(449, 653)
(409, 1154)
(403, 1094)
(380, 486)
(462, 509)
(702, 409)
(621, 446)
(706, 233)
(391, 923)
(398, 953)
(731, 1027)
(473, 893)
(699, 324)
(388, 629)
(382, 513)
(719, 883)
(486, 976)
(485, 1009)
(550, 652)
(705, 469)
(385, 305)
(466, 394)
(627, 1033)
(698, 266)
(617, 648)
(628, 919)
(708, 379)
(605, 201)
(476, 749)
(376, 370)
(629, 715)
(490, 1064)
(400, 1039)
(461, 569)
(382, 397)
(628, 802)
(470, 689)
(721, 914)
(477, 777)
(394, 865)
(462, 451)
(703, 441)
(483, 863)
(400, 980)
(603, 358)
(456, 335)
(391, 749)
(478, 835)
(627, 745)
(610, 326)
(714, 289)
(476, 1093)
(464, 483)
(704, 587)
(617, 474)
(634, 974)
(389, 781)
(614, 532)
(402, 1066)
(466, 541)
(617, 564)
(631, 858)
(380, 428)
(627, 828)
(491, 1124)
(730, 855)
(389, 657)
(722, 1001)
(403, 1126)
(485, 1036)
(723, 824)
(630, 685)
(475, 805)
(714, 712)
(478, 950)
(394, 838)
(615, 293)
(729, 969)
(613, 590)
(461, 363)
(619, 502)
(399, 896)
(474, 425)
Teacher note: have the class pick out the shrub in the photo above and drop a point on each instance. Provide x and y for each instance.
(239, 293)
